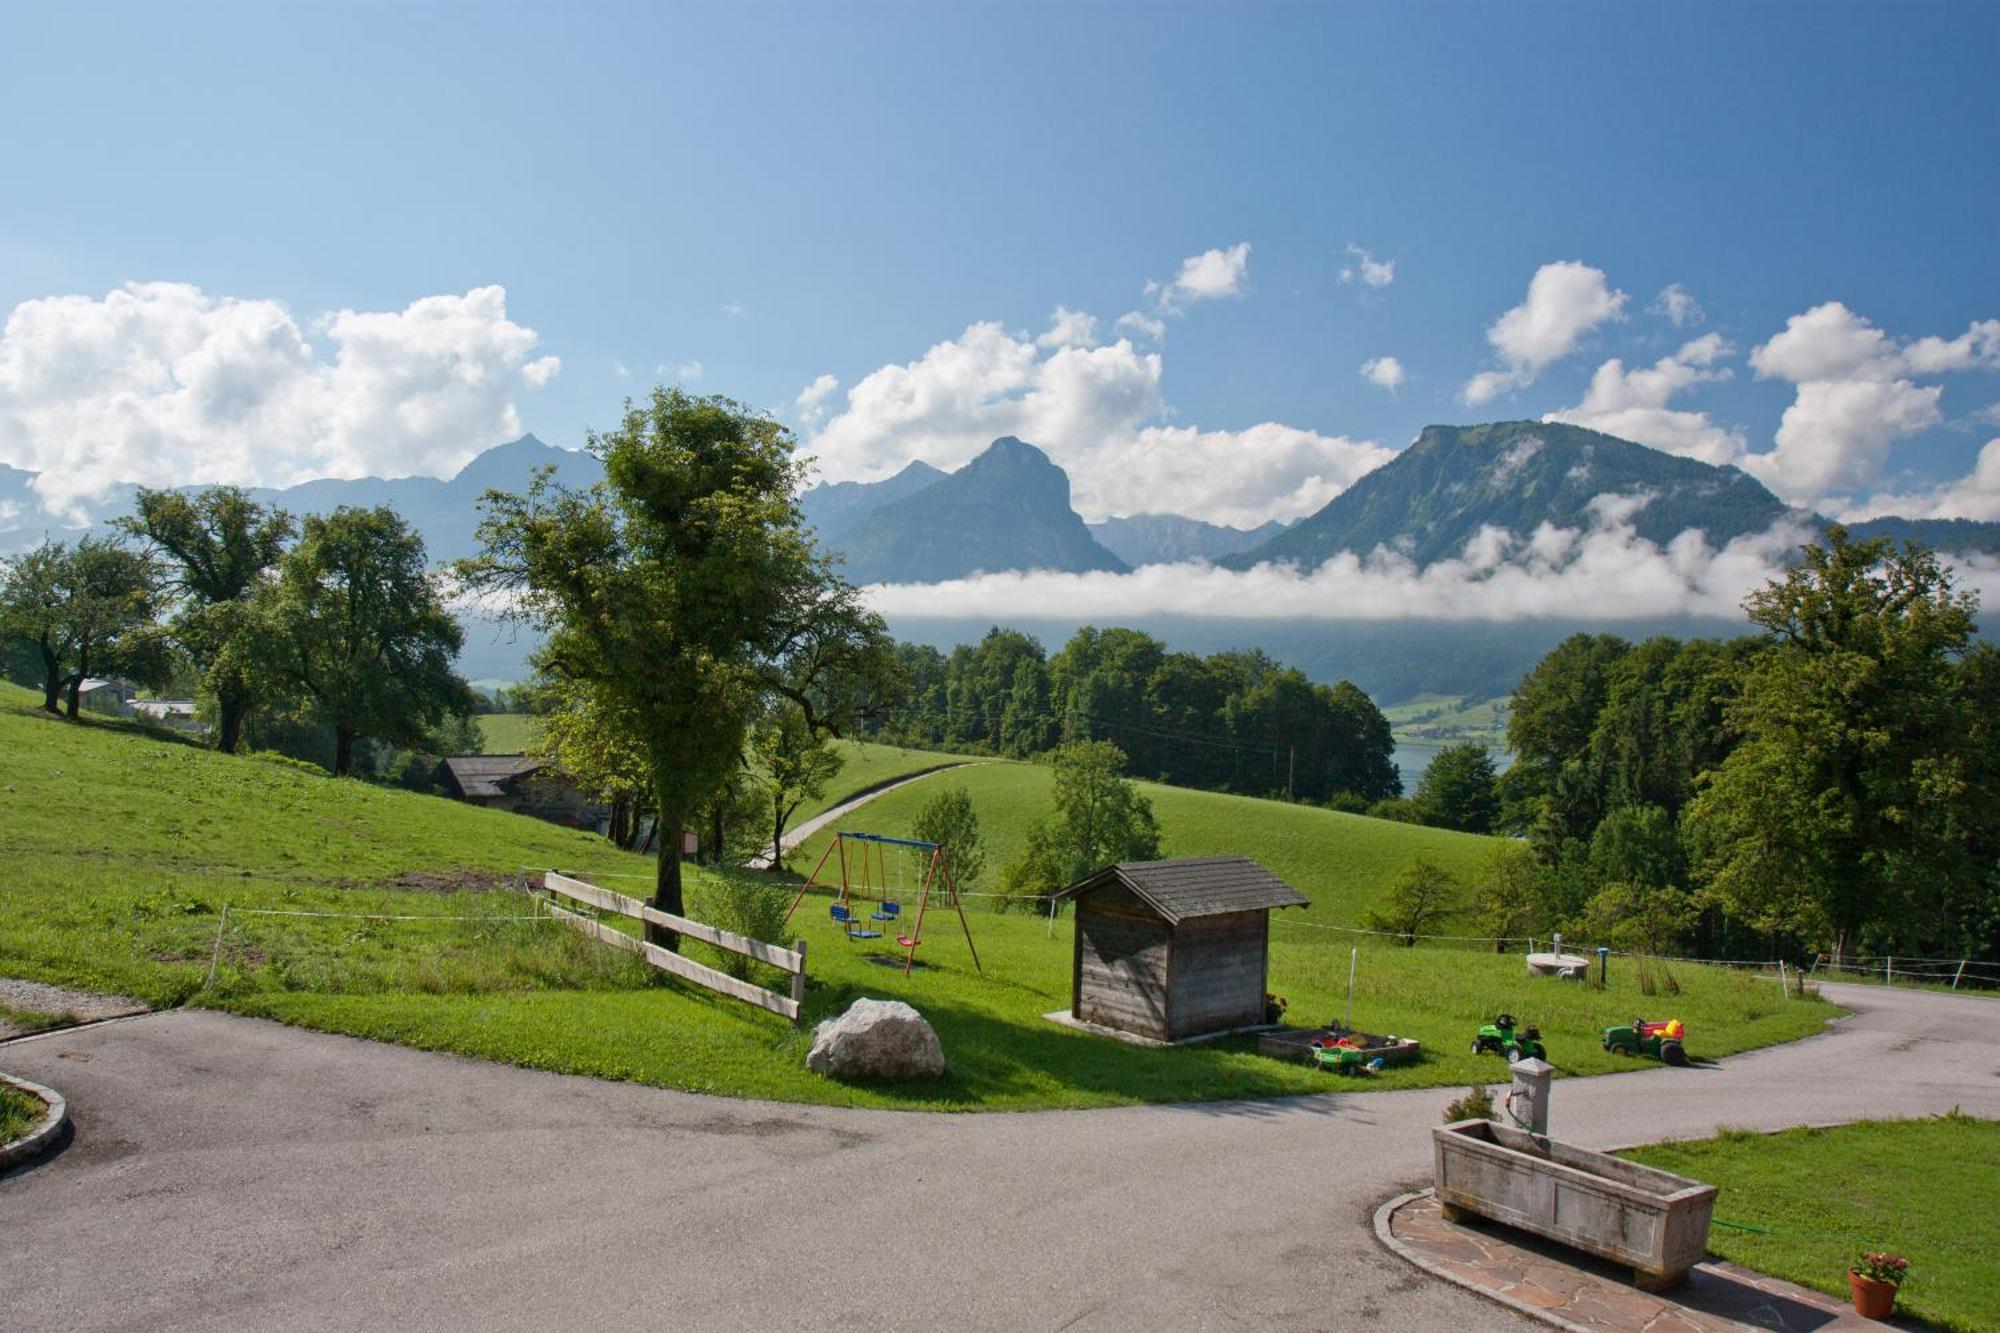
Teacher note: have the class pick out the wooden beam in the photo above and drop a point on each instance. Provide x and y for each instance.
(789, 960)
(686, 968)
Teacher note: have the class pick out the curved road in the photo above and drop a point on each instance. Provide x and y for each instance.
(233, 1173)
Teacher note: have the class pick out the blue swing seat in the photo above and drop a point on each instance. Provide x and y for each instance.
(853, 923)
(888, 912)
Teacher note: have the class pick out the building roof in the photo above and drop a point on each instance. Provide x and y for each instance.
(1195, 886)
(487, 774)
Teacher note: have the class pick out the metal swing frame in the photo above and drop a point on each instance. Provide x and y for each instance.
(937, 866)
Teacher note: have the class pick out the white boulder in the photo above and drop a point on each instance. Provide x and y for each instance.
(876, 1039)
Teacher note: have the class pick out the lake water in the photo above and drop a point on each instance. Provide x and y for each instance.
(1414, 756)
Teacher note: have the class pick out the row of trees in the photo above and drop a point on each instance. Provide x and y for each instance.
(1831, 783)
(1233, 721)
(333, 624)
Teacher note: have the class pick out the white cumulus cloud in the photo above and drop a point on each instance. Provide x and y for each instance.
(680, 372)
(1367, 269)
(1632, 404)
(1099, 413)
(162, 383)
(1677, 305)
(1384, 372)
(1566, 300)
(1853, 397)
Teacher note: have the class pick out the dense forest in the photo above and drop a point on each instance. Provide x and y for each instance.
(1232, 721)
(1830, 785)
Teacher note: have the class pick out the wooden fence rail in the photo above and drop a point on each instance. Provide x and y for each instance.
(792, 960)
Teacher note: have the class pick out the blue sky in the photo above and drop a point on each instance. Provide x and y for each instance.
(779, 193)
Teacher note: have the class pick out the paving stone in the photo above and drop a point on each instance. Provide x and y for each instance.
(1589, 1293)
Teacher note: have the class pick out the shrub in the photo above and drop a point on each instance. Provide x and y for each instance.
(753, 909)
(1476, 1104)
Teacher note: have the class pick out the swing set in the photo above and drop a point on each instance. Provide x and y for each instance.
(864, 876)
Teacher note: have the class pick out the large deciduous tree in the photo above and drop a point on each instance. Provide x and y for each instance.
(1100, 818)
(684, 591)
(88, 608)
(1457, 790)
(356, 623)
(220, 544)
(1843, 803)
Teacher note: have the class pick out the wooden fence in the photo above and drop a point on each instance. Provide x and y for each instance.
(792, 960)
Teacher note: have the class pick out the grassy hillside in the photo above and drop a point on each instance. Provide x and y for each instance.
(123, 848)
(1343, 863)
(865, 765)
(507, 733)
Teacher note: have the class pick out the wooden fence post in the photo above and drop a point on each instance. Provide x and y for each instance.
(799, 984)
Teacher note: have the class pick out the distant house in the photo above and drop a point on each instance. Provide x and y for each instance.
(176, 713)
(522, 784)
(1175, 949)
(106, 694)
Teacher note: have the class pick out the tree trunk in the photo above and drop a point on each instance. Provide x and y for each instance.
(667, 880)
(715, 843)
(231, 706)
(777, 866)
(343, 752)
(75, 695)
(52, 681)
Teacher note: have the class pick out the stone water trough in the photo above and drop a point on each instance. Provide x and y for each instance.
(1618, 1210)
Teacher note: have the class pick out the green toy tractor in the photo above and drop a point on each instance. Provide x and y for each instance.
(1662, 1041)
(1505, 1035)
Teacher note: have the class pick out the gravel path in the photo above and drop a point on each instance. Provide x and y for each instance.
(60, 1002)
(233, 1173)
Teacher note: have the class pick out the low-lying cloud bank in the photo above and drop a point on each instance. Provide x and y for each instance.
(1605, 573)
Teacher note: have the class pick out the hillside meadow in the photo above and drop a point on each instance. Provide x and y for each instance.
(124, 846)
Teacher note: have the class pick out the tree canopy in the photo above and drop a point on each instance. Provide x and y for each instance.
(682, 591)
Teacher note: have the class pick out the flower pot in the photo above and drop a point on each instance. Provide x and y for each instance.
(1873, 1298)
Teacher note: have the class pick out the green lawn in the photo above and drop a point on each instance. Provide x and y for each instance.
(19, 1113)
(508, 733)
(124, 847)
(1805, 1202)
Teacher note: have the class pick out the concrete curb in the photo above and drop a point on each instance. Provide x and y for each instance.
(1390, 1243)
(43, 1136)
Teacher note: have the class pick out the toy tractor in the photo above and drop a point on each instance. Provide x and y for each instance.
(1662, 1041)
(1505, 1035)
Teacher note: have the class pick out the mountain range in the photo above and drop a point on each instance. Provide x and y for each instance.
(1009, 508)
(1435, 496)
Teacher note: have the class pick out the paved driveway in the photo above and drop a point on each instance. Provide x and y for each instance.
(229, 1173)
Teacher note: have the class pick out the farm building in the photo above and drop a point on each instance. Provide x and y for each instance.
(1174, 949)
(519, 783)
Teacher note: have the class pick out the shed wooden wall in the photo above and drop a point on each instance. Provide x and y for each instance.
(1122, 953)
(1218, 973)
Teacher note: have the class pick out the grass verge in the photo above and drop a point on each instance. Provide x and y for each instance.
(19, 1113)
(1805, 1202)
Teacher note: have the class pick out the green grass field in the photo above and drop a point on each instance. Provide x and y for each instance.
(865, 765)
(123, 848)
(1805, 1202)
(1342, 862)
(507, 733)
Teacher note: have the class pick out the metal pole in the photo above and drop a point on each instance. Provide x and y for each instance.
(1956, 975)
(1888, 971)
(1353, 961)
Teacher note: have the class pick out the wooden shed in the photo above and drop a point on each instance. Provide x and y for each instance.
(1175, 949)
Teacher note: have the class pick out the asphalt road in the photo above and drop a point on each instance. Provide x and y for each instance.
(228, 1173)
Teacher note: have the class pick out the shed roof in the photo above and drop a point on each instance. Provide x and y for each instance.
(1195, 886)
(486, 774)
